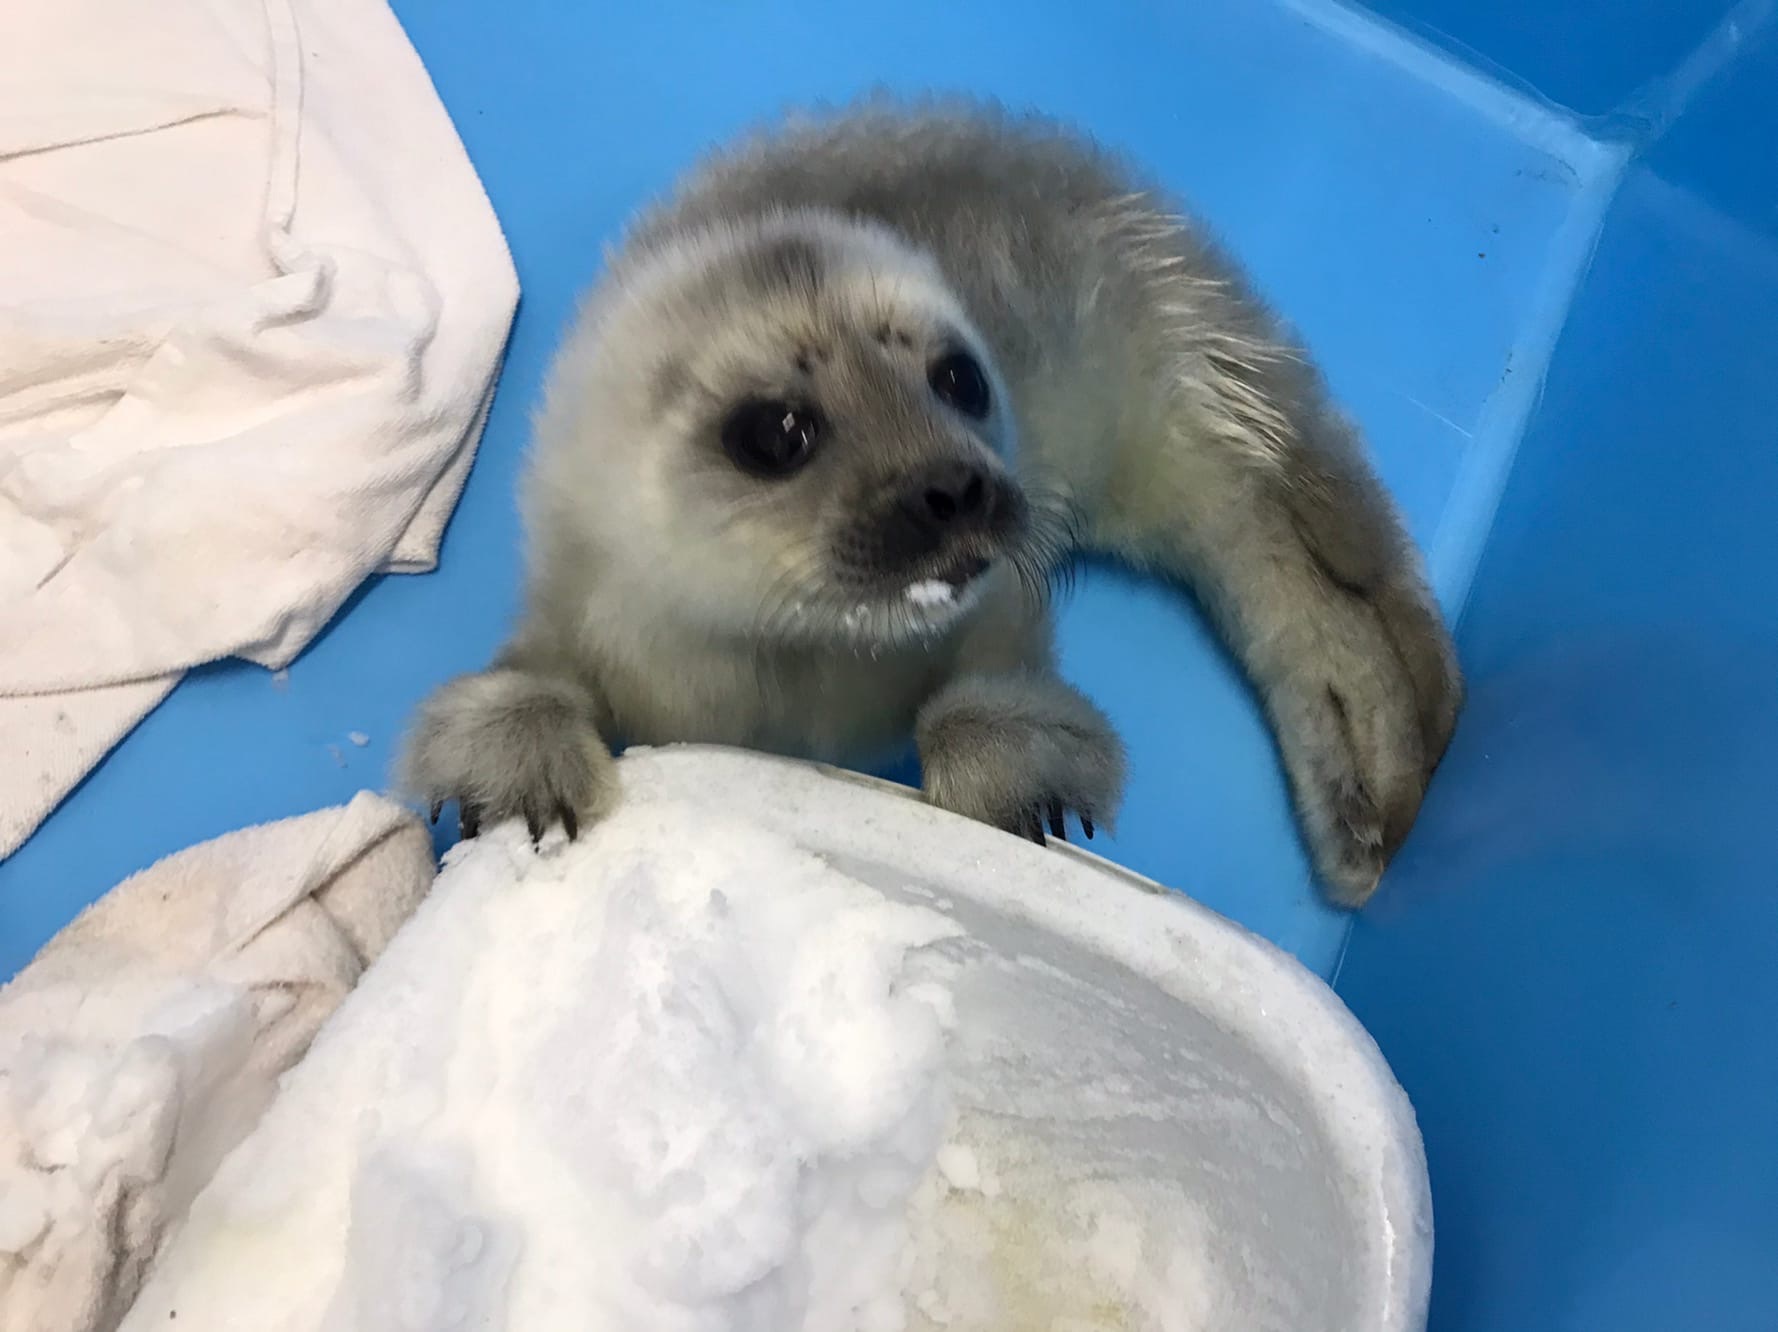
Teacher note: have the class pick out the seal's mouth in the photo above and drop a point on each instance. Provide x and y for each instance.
(947, 586)
(965, 570)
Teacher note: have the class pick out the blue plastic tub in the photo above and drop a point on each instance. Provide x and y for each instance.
(1539, 260)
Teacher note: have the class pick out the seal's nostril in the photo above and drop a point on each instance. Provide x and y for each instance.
(972, 493)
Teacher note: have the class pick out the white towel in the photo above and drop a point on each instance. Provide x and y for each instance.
(146, 1038)
(252, 302)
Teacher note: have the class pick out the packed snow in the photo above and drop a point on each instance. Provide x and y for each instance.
(930, 593)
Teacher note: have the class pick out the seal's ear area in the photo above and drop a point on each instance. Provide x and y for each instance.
(669, 383)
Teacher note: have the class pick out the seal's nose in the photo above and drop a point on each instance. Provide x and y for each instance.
(948, 495)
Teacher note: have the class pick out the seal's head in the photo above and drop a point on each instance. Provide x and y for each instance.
(786, 427)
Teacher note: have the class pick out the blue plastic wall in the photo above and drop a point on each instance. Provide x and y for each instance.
(1572, 968)
(1597, 58)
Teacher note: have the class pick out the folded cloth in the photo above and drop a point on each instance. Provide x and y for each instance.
(145, 1039)
(252, 302)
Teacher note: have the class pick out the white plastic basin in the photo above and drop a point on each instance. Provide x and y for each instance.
(668, 1078)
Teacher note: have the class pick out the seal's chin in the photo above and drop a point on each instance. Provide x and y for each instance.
(919, 608)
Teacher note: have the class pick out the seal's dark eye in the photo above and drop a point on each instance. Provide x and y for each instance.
(959, 382)
(770, 439)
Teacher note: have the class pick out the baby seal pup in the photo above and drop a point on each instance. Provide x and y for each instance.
(833, 418)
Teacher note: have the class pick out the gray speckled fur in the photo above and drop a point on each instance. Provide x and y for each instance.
(1147, 405)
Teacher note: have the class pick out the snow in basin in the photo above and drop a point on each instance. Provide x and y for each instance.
(678, 1075)
(931, 592)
